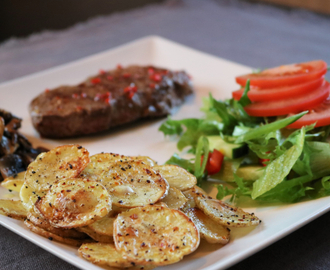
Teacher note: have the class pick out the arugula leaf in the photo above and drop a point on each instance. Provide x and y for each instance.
(244, 100)
(264, 130)
(276, 171)
(200, 164)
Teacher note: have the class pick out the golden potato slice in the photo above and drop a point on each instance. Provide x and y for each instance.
(103, 254)
(155, 235)
(52, 236)
(175, 199)
(209, 229)
(101, 162)
(223, 213)
(13, 209)
(190, 200)
(74, 202)
(14, 182)
(94, 235)
(62, 162)
(44, 224)
(133, 183)
(104, 226)
(147, 160)
(177, 177)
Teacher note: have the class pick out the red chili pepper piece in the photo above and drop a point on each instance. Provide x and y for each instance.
(95, 80)
(151, 71)
(102, 71)
(156, 77)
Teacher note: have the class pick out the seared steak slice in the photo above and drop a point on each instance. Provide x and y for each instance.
(107, 100)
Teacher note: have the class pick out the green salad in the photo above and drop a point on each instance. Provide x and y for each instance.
(260, 157)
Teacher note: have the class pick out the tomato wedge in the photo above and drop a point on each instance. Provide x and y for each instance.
(257, 94)
(319, 115)
(214, 162)
(291, 105)
(285, 75)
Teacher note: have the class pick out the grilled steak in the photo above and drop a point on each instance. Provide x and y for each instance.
(107, 100)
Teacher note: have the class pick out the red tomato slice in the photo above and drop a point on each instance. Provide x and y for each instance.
(292, 105)
(285, 75)
(214, 162)
(319, 115)
(257, 94)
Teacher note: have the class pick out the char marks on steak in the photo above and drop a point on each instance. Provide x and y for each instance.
(107, 100)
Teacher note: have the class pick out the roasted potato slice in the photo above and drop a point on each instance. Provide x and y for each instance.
(223, 213)
(177, 177)
(147, 160)
(52, 236)
(44, 224)
(74, 202)
(133, 183)
(65, 161)
(209, 229)
(190, 200)
(106, 255)
(104, 226)
(155, 235)
(14, 182)
(103, 254)
(174, 199)
(96, 236)
(13, 209)
(101, 162)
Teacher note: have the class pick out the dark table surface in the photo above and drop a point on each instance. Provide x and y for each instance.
(255, 35)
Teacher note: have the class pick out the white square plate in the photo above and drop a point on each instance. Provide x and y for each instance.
(210, 74)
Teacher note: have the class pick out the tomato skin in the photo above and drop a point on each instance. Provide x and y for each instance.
(319, 115)
(285, 75)
(292, 105)
(256, 94)
(214, 162)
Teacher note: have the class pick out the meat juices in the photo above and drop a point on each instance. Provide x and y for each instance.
(107, 100)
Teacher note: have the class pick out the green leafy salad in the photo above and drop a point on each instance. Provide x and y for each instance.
(262, 158)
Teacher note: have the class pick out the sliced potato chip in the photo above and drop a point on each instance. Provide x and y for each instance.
(177, 177)
(154, 235)
(190, 200)
(14, 182)
(104, 226)
(74, 202)
(62, 162)
(103, 254)
(96, 236)
(161, 204)
(13, 209)
(101, 162)
(133, 183)
(225, 214)
(147, 160)
(52, 236)
(175, 199)
(209, 229)
(44, 224)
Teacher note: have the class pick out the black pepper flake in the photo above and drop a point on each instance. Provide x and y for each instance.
(120, 201)
(33, 172)
(50, 238)
(123, 169)
(79, 147)
(70, 165)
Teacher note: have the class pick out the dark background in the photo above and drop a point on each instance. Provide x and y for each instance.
(22, 17)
